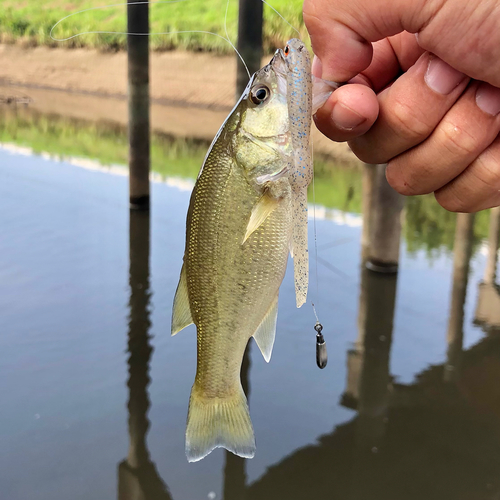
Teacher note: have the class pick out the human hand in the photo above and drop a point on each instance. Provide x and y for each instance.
(435, 123)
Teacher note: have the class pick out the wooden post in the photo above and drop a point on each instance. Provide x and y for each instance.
(250, 20)
(369, 177)
(138, 104)
(493, 244)
(382, 207)
(462, 252)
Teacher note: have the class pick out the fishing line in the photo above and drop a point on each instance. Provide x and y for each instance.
(146, 34)
(231, 43)
(226, 38)
(293, 27)
(321, 352)
(314, 225)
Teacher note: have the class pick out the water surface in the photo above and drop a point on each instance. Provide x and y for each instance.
(95, 390)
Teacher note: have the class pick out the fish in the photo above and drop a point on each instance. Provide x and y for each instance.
(238, 233)
(241, 224)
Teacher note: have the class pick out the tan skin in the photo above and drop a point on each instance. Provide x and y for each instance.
(428, 105)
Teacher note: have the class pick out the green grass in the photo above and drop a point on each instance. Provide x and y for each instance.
(428, 227)
(30, 22)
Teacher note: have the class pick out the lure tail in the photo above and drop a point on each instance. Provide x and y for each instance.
(299, 246)
(218, 423)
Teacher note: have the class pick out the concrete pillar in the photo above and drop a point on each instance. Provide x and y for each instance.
(138, 105)
(382, 207)
(250, 20)
(462, 251)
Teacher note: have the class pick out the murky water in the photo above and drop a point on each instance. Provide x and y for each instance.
(95, 391)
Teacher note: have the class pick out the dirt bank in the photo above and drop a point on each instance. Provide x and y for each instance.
(191, 93)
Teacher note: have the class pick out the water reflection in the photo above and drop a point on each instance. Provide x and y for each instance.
(428, 227)
(138, 478)
(234, 468)
(464, 235)
(368, 363)
(488, 302)
(428, 439)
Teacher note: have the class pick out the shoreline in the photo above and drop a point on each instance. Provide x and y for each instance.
(191, 93)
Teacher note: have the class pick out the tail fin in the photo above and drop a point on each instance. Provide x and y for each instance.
(215, 423)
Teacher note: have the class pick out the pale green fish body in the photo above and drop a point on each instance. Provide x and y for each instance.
(239, 228)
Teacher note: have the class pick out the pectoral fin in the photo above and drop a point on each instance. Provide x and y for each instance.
(266, 332)
(181, 314)
(260, 212)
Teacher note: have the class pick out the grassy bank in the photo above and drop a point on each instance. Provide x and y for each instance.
(427, 227)
(30, 22)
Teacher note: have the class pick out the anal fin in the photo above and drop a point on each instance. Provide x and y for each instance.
(181, 313)
(266, 331)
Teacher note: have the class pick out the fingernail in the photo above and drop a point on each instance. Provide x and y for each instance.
(441, 77)
(317, 67)
(345, 118)
(488, 98)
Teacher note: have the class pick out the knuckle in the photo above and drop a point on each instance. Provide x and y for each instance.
(406, 177)
(458, 141)
(366, 151)
(396, 179)
(409, 122)
(487, 171)
(450, 201)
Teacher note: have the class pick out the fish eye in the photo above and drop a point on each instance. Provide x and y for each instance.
(287, 50)
(259, 94)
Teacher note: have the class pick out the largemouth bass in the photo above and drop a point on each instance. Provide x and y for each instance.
(239, 230)
(239, 226)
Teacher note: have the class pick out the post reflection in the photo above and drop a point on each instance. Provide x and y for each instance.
(488, 302)
(369, 376)
(138, 478)
(462, 252)
(426, 439)
(234, 468)
(373, 346)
